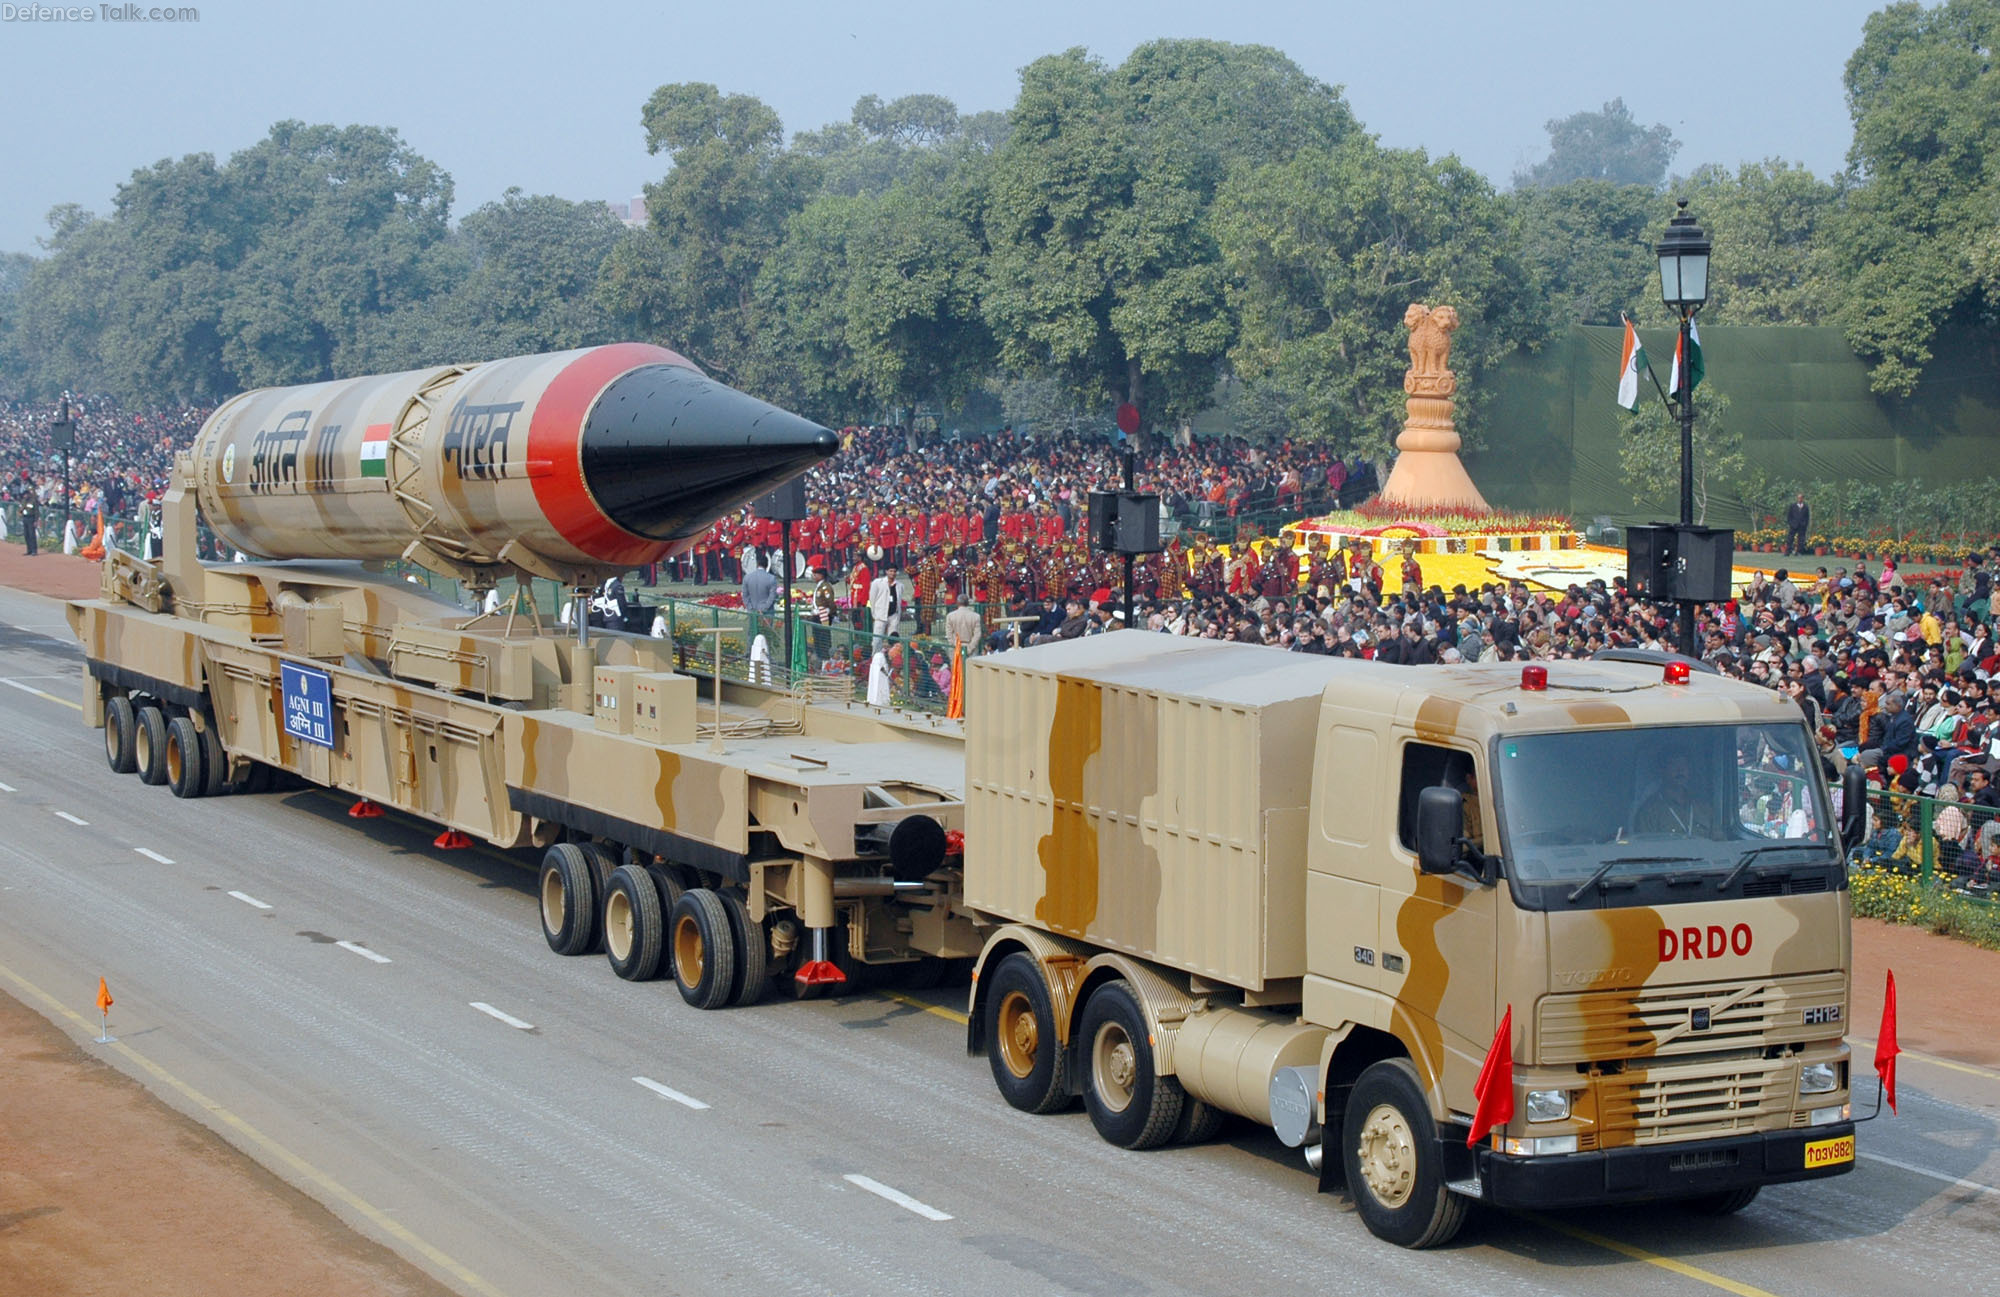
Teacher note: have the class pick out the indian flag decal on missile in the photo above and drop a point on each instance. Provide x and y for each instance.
(375, 450)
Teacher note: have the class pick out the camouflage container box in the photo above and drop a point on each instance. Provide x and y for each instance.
(1147, 793)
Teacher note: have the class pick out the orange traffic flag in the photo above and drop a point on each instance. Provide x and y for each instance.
(1494, 1090)
(1886, 1047)
(104, 1000)
(954, 705)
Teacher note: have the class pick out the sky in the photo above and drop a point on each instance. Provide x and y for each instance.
(547, 96)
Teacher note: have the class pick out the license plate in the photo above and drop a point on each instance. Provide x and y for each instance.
(1829, 1152)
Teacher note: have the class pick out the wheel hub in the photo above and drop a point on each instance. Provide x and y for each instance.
(1020, 1033)
(1388, 1156)
(1115, 1066)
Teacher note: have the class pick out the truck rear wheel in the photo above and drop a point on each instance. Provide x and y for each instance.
(1030, 1066)
(1199, 1123)
(121, 724)
(149, 745)
(703, 949)
(1394, 1170)
(186, 776)
(634, 927)
(1130, 1103)
(753, 952)
(569, 899)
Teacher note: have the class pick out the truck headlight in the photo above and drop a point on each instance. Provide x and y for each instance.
(1548, 1105)
(1814, 1078)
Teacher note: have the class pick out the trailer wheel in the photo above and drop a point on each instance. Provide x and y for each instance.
(1393, 1168)
(1726, 1203)
(753, 952)
(1030, 1066)
(634, 927)
(1199, 1123)
(1130, 1103)
(602, 862)
(149, 745)
(121, 724)
(185, 776)
(703, 949)
(214, 761)
(569, 900)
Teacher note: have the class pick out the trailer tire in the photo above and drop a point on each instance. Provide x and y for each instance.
(602, 862)
(753, 953)
(1389, 1146)
(149, 745)
(214, 761)
(1726, 1203)
(1030, 1066)
(1130, 1103)
(185, 774)
(1199, 1123)
(121, 724)
(634, 926)
(569, 899)
(702, 949)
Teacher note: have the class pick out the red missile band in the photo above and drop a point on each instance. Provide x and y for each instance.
(554, 440)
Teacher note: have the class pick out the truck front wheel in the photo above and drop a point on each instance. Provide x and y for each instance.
(1130, 1103)
(1029, 1064)
(1726, 1203)
(1393, 1168)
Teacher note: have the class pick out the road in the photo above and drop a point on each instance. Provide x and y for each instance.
(381, 1024)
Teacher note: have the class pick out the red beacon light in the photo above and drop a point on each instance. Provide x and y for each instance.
(1677, 673)
(1535, 679)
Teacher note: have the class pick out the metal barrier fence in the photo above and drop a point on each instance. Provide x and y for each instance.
(1967, 861)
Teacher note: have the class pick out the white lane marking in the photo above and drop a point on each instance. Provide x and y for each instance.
(363, 951)
(248, 899)
(507, 1018)
(8, 788)
(154, 856)
(896, 1196)
(671, 1093)
(65, 815)
(1939, 1176)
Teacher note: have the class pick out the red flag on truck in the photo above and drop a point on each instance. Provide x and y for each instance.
(1886, 1047)
(1494, 1090)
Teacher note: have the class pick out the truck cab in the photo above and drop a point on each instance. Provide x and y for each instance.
(1638, 868)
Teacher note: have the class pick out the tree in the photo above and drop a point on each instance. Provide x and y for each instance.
(804, 357)
(721, 210)
(1104, 268)
(1589, 244)
(1770, 226)
(1914, 245)
(1327, 251)
(531, 268)
(1650, 455)
(1605, 145)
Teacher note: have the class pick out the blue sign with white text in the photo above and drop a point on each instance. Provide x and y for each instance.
(308, 704)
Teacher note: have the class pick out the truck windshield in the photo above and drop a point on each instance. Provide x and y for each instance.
(1669, 801)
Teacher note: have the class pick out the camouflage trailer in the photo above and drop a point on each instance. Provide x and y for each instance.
(1192, 878)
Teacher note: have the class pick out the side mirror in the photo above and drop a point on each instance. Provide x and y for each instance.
(1853, 806)
(1440, 823)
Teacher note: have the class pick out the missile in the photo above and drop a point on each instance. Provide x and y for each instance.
(563, 464)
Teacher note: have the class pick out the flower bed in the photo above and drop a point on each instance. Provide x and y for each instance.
(1879, 893)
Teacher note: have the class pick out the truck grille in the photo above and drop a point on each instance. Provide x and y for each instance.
(1692, 1018)
(1693, 1101)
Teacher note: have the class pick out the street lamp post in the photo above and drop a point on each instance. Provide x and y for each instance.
(62, 432)
(1683, 252)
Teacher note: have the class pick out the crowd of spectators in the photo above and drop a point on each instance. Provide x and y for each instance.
(118, 460)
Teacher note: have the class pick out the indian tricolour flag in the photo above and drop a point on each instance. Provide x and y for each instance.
(1630, 362)
(375, 450)
(1694, 366)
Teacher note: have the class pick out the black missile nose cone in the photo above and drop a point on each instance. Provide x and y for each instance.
(665, 450)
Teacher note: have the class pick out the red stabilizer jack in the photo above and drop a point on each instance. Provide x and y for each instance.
(819, 972)
(365, 810)
(451, 840)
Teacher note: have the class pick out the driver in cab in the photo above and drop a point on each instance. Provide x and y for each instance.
(1676, 809)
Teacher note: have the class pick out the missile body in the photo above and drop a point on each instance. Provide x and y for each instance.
(567, 463)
